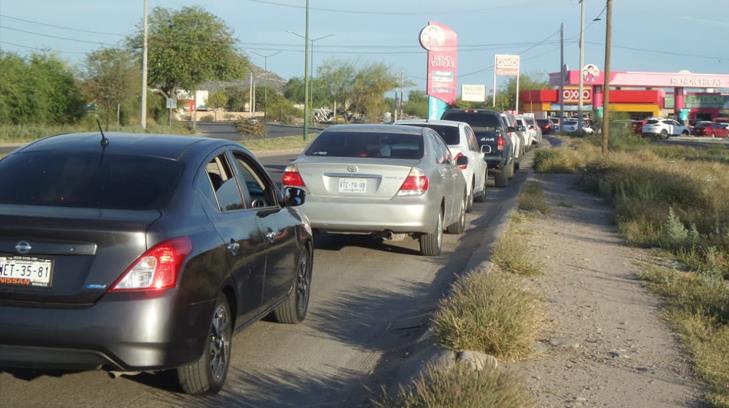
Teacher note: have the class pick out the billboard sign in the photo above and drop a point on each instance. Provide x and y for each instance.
(473, 93)
(442, 45)
(507, 65)
(571, 95)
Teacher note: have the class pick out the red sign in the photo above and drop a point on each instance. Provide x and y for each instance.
(507, 65)
(442, 45)
(572, 95)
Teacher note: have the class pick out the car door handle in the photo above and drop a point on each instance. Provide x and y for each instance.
(271, 237)
(233, 247)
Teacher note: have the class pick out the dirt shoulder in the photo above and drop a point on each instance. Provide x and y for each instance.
(605, 344)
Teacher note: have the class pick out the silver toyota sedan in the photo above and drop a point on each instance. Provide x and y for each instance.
(382, 179)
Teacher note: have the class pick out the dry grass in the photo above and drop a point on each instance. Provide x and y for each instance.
(461, 387)
(295, 142)
(698, 306)
(491, 313)
(29, 133)
(532, 198)
(511, 252)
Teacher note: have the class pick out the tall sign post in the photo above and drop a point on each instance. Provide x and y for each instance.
(507, 65)
(442, 45)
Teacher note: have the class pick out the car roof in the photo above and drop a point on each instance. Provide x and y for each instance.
(364, 128)
(152, 145)
(439, 122)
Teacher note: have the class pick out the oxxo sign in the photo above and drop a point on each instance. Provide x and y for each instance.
(572, 95)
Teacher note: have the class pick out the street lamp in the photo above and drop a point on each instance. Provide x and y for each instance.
(308, 88)
(265, 87)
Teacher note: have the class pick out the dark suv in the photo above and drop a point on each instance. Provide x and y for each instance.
(491, 131)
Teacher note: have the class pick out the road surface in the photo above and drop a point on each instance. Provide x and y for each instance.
(370, 301)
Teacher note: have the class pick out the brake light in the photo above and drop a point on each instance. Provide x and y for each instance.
(416, 183)
(464, 166)
(292, 178)
(156, 269)
(500, 143)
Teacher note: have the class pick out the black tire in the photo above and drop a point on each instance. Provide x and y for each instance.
(685, 133)
(501, 178)
(664, 134)
(510, 169)
(481, 197)
(207, 374)
(471, 197)
(431, 244)
(293, 309)
(459, 226)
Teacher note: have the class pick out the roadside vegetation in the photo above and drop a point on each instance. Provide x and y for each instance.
(28, 133)
(676, 199)
(294, 142)
(511, 251)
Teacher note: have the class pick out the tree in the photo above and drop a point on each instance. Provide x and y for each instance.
(338, 78)
(506, 98)
(417, 104)
(217, 100)
(370, 84)
(110, 80)
(188, 47)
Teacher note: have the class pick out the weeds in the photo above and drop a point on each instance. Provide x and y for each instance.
(461, 387)
(511, 253)
(491, 313)
(278, 143)
(28, 133)
(532, 198)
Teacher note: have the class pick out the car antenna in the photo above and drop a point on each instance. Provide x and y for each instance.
(104, 140)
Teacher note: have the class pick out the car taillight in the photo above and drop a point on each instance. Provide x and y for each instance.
(463, 166)
(500, 143)
(156, 269)
(416, 183)
(292, 178)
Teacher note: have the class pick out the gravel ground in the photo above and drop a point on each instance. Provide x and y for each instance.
(605, 343)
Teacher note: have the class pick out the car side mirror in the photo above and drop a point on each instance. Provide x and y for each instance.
(486, 149)
(293, 197)
(512, 129)
(521, 128)
(462, 161)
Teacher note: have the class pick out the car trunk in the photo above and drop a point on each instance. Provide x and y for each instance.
(358, 178)
(488, 138)
(79, 251)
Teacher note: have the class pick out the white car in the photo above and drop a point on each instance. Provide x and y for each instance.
(571, 126)
(518, 139)
(461, 141)
(663, 128)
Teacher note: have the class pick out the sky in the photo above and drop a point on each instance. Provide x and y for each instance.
(676, 36)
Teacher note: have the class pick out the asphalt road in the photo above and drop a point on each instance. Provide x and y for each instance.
(370, 302)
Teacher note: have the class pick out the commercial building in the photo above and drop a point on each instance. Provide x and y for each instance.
(683, 95)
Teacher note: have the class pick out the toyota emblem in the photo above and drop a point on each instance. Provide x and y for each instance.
(352, 169)
(23, 247)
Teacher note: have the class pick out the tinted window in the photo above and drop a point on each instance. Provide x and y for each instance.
(363, 144)
(651, 122)
(224, 184)
(257, 192)
(479, 121)
(88, 180)
(442, 154)
(449, 134)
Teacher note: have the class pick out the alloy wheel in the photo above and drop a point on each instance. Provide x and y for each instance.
(220, 335)
(303, 284)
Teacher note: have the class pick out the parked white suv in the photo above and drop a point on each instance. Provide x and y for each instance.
(663, 128)
(461, 141)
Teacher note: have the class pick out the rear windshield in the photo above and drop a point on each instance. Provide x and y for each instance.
(652, 122)
(479, 121)
(364, 144)
(449, 134)
(87, 180)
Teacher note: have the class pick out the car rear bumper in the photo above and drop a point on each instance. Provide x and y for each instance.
(402, 214)
(124, 331)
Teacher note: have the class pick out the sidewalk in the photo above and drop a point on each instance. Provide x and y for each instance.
(605, 343)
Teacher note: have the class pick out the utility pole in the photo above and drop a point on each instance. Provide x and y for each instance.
(143, 113)
(606, 84)
(582, 64)
(561, 75)
(265, 88)
(306, 72)
(250, 96)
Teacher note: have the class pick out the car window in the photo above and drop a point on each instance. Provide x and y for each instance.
(651, 122)
(479, 121)
(442, 154)
(472, 143)
(224, 183)
(449, 134)
(204, 186)
(258, 191)
(367, 144)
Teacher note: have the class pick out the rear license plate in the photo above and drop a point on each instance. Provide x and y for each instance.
(352, 185)
(25, 271)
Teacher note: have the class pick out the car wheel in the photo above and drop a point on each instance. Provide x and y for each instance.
(685, 133)
(664, 134)
(501, 178)
(471, 197)
(293, 309)
(459, 226)
(481, 197)
(207, 374)
(511, 169)
(431, 244)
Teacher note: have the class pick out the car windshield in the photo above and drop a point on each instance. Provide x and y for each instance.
(88, 180)
(570, 122)
(480, 122)
(367, 144)
(450, 134)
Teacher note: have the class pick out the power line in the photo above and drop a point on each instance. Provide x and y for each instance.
(55, 36)
(394, 13)
(654, 51)
(40, 48)
(80, 30)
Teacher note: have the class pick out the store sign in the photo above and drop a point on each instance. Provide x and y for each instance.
(590, 73)
(694, 81)
(707, 101)
(442, 45)
(473, 93)
(571, 95)
(507, 65)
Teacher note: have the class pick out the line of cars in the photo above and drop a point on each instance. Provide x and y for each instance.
(144, 253)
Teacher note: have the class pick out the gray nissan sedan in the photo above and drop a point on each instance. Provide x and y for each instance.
(382, 179)
(142, 253)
